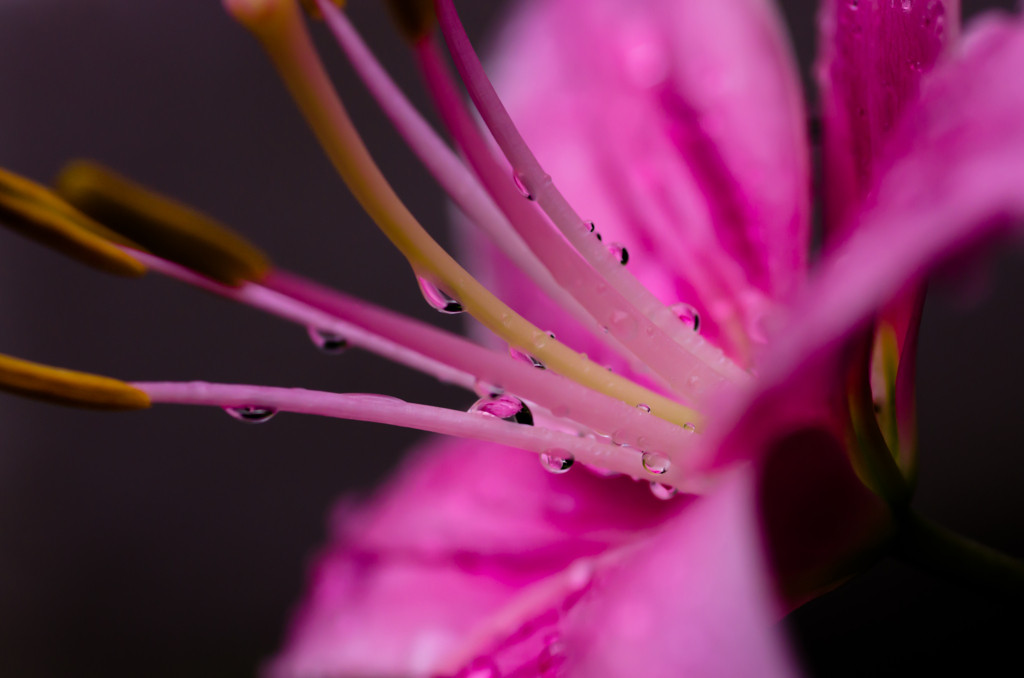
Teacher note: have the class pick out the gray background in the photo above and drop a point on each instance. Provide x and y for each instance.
(173, 542)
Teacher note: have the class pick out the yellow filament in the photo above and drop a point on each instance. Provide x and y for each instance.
(279, 27)
(66, 387)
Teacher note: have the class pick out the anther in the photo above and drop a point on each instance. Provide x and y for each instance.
(66, 387)
(163, 226)
(38, 213)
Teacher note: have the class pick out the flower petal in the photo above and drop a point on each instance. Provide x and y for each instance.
(953, 178)
(460, 532)
(873, 55)
(676, 126)
(698, 601)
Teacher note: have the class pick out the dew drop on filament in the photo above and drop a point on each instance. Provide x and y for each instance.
(521, 186)
(328, 342)
(524, 357)
(590, 225)
(663, 492)
(688, 314)
(655, 464)
(557, 461)
(620, 252)
(504, 406)
(437, 299)
(644, 408)
(251, 415)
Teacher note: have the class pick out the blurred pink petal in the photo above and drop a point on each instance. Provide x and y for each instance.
(456, 535)
(952, 177)
(679, 127)
(873, 54)
(696, 602)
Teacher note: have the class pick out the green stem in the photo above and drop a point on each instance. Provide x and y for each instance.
(956, 558)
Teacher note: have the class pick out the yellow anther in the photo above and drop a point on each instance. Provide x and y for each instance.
(163, 226)
(415, 18)
(38, 213)
(66, 387)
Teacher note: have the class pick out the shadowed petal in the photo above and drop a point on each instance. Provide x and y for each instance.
(873, 55)
(678, 128)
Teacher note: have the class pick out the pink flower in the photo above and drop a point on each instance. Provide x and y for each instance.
(779, 400)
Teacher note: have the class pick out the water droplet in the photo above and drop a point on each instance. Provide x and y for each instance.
(485, 389)
(557, 461)
(504, 406)
(854, 4)
(251, 415)
(619, 251)
(524, 357)
(599, 237)
(551, 334)
(328, 342)
(540, 339)
(521, 186)
(688, 314)
(438, 299)
(590, 225)
(663, 492)
(907, 4)
(690, 427)
(656, 464)
(620, 437)
(644, 408)
(624, 323)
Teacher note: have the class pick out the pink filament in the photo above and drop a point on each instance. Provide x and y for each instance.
(457, 181)
(691, 366)
(387, 410)
(447, 357)
(563, 397)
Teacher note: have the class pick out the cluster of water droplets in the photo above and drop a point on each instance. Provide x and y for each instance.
(437, 298)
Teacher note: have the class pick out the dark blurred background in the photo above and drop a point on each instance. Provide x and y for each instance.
(174, 541)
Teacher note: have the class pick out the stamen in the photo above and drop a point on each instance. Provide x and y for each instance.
(37, 213)
(280, 28)
(683, 372)
(452, 175)
(388, 410)
(161, 225)
(66, 387)
(540, 186)
(448, 357)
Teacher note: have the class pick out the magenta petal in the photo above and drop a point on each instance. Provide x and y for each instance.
(678, 127)
(873, 54)
(955, 179)
(698, 601)
(460, 531)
